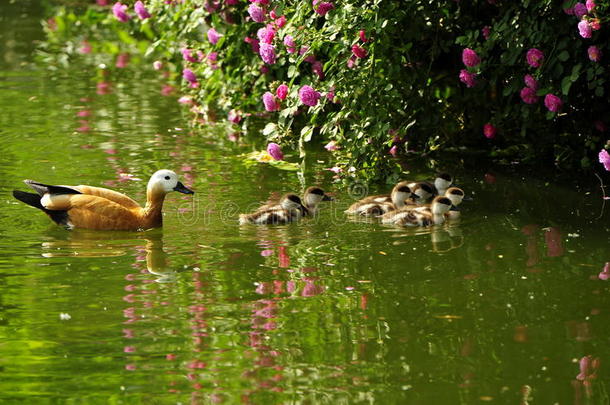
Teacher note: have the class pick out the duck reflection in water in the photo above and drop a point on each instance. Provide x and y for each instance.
(86, 243)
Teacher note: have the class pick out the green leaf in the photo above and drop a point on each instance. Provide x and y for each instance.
(306, 133)
(563, 56)
(566, 83)
(269, 129)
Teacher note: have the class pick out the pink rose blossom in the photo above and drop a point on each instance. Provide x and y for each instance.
(590, 4)
(234, 116)
(336, 169)
(362, 36)
(282, 91)
(280, 21)
(584, 364)
(187, 55)
(186, 100)
(267, 53)
(322, 8)
(102, 2)
(270, 103)
(486, 31)
(393, 150)
(580, 10)
(290, 45)
(274, 150)
(358, 51)
(157, 65)
(470, 58)
(122, 60)
(331, 146)
(85, 48)
(489, 131)
(530, 82)
(190, 77)
(309, 96)
(584, 29)
(528, 95)
(552, 102)
(120, 12)
(469, 79)
(534, 57)
(141, 10)
(595, 24)
(213, 36)
(604, 158)
(351, 62)
(594, 53)
(266, 34)
(256, 12)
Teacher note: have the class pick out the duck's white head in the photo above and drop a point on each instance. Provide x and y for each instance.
(440, 205)
(400, 193)
(422, 192)
(165, 181)
(455, 194)
(314, 195)
(291, 202)
(442, 182)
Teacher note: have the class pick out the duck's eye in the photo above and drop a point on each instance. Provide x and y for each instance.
(166, 177)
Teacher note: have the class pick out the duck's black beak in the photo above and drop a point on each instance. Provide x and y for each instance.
(414, 196)
(327, 198)
(181, 188)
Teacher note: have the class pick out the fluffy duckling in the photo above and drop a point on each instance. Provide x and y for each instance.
(312, 197)
(456, 195)
(422, 193)
(440, 185)
(290, 209)
(99, 208)
(380, 204)
(420, 216)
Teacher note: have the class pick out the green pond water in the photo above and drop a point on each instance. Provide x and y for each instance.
(497, 308)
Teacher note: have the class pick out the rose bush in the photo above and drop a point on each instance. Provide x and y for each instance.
(377, 80)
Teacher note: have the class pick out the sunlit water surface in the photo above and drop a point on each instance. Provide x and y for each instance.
(498, 307)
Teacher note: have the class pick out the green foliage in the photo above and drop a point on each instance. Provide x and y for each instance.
(403, 96)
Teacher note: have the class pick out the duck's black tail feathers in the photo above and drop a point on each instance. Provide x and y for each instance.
(59, 217)
(42, 189)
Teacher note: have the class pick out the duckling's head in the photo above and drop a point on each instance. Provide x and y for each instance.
(455, 194)
(422, 192)
(314, 195)
(440, 205)
(400, 193)
(165, 181)
(290, 202)
(443, 181)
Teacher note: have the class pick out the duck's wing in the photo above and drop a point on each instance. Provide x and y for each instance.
(111, 195)
(93, 212)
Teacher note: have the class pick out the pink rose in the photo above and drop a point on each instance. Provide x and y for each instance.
(470, 58)
(281, 92)
(489, 131)
(309, 96)
(469, 79)
(274, 150)
(552, 102)
(528, 95)
(534, 57)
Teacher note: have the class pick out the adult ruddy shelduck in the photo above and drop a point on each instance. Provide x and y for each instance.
(100, 208)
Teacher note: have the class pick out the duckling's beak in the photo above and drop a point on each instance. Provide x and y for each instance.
(414, 196)
(181, 188)
(327, 198)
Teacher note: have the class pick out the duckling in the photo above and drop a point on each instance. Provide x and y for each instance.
(456, 195)
(290, 209)
(312, 197)
(422, 193)
(98, 208)
(438, 187)
(420, 216)
(380, 204)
